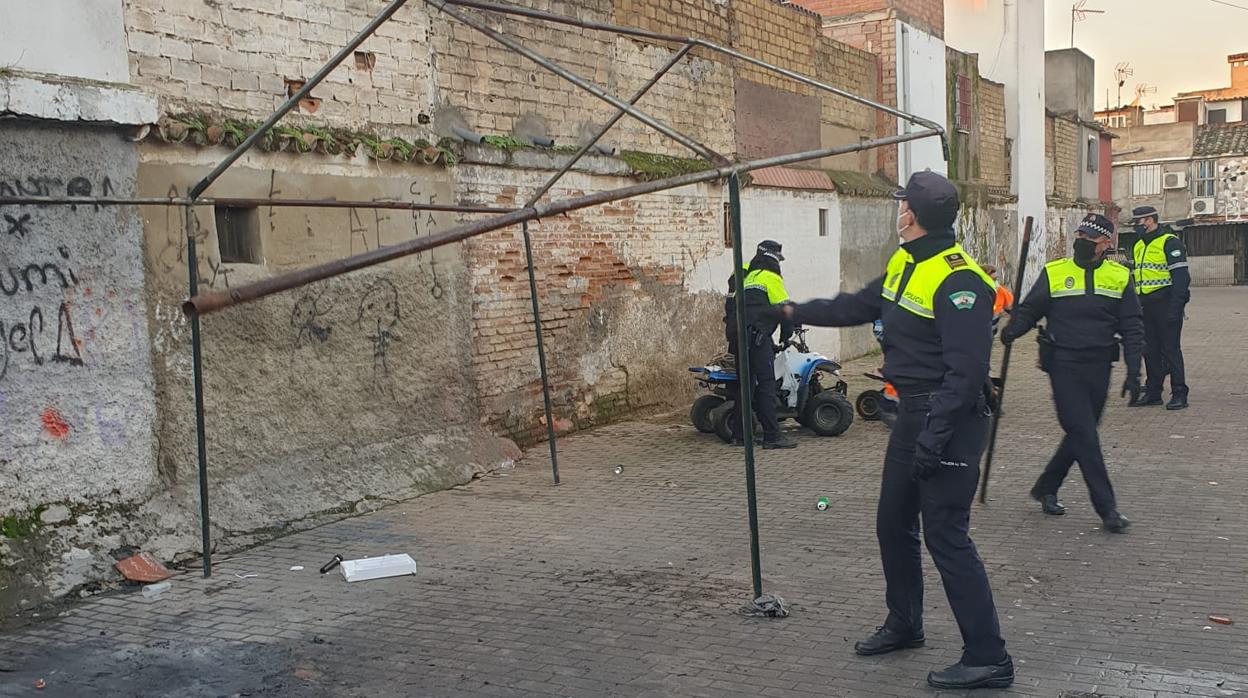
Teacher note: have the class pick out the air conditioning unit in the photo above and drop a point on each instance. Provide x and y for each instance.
(1203, 206)
(1174, 180)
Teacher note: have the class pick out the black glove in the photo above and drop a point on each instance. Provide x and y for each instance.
(779, 348)
(1007, 337)
(926, 462)
(1131, 387)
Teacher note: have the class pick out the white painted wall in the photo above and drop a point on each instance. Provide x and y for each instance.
(1160, 117)
(920, 91)
(1009, 38)
(1234, 109)
(75, 38)
(812, 266)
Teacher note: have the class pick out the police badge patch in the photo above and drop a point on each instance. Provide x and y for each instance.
(963, 300)
(1070, 282)
(955, 260)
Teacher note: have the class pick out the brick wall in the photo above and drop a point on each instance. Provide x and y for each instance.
(1065, 158)
(620, 325)
(853, 70)
(928, 15)
(879, 37)
(994, 151)
(234, 56)
(704, 19)
(780, 34)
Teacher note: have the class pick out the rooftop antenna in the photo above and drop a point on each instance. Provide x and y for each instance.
(1078, 13)
(1122, 71)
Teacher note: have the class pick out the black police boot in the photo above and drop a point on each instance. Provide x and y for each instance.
(885, 641)
(963, 677)
(780, 442)
(1050, 505)
(1178, 401)
(1116, 523)
(1148, 399)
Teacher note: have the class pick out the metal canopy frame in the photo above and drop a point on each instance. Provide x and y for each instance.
(721, 169)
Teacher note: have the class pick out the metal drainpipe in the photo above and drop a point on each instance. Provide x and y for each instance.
(905, 101)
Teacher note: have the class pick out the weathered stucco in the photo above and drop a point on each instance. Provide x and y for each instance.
(76, 408)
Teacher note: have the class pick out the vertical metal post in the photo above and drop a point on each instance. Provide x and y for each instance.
(197, 363)
(541, 354)
(745, 388)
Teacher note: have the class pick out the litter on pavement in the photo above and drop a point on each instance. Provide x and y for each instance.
(378, 567)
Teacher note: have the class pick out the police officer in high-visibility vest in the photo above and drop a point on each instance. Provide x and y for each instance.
(1162, 280)
(1091, 308)
(763, 287)
(936, 304)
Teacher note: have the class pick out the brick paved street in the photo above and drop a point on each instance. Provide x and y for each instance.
(628, 585)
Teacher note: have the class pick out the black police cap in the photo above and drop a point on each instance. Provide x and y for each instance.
(932, 197)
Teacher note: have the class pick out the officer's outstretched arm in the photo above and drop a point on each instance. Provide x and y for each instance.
(845, 310)
(1131, 330)
(1033, 308)
(963, 306)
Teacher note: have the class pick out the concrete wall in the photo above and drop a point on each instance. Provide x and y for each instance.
(868, 230)
(73, 38)
(77, 443)
(1014, 34)
(1216, 270)
(812, 263)
(1232, 188)
(921, 78)
(316, 399)
(1068, 82)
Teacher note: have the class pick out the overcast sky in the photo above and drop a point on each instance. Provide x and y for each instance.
(1173, 45)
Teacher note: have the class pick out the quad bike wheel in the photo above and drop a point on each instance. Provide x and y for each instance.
(721, 418)
(829, 413)
(700, 413)
(868, 405)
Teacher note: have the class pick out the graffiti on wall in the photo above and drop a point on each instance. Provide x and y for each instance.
(378, 319)
(1233, 188)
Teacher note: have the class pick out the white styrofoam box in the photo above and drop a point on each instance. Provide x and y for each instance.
(378, 567)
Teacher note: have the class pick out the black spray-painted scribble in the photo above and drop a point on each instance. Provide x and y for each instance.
(16, 278)
(306, 319)
(378, 316)
(27, 338)
(19, 226)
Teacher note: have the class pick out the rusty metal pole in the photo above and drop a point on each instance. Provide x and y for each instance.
(197, 363)
(541, 355)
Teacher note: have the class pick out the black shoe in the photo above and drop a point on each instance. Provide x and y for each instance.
(1178, 401)
(1148, 400)
(1050, 505)
(885, 641)
(1117, 523)
(963, 677)
(780, 442)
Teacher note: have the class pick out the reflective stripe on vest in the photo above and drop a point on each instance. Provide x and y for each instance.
(919, 295)
(1152, 272)
(1067, 279)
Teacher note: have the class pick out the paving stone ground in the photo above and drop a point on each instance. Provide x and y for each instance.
(629, 584)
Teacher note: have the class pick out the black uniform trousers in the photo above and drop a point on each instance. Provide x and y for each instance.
(1163, 354)
(943, 502)
(1080, 389)
(763, 378)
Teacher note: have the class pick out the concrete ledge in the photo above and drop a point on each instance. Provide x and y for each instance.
(59, 99)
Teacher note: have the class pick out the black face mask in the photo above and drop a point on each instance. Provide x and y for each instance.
(1140, 230)
(1085, 251)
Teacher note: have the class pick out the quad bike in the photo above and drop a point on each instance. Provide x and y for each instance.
(881, 405)
(809, 389)
(878, 405)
